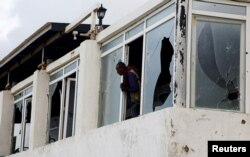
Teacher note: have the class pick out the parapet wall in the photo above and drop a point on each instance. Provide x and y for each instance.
(170, 132)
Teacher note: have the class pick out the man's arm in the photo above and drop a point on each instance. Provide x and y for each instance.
(133, 82)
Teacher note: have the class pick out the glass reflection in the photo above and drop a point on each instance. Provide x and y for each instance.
(110, 95)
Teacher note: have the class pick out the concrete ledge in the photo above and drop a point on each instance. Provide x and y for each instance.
(164, 133)
(63, 60)
(21, 85)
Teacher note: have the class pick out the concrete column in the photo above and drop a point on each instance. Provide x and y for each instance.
(88, 87)
(6, 122)
(180, 54)
(40, 108)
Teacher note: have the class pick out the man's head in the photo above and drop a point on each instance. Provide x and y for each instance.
(120, 68)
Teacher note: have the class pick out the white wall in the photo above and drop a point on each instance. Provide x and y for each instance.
(194, 127)
(6, 118)
(40, 109)
(168, 132)
(87, 108)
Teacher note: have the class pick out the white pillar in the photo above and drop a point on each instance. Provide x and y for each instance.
(88, 87)
(180, 54)
(6, 122)
(40, 108)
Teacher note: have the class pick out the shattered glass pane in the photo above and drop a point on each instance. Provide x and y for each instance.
(217, 82)
(110, 94)
(158, 80)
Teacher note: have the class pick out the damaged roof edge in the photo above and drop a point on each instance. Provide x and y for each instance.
(26, 43)
(130, 19)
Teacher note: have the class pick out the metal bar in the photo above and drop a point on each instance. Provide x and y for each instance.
(86, 15)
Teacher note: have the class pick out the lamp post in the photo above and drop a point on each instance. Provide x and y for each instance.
(100, 14)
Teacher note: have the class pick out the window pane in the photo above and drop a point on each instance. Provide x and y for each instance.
(18, 111)
(71, 106)
(18, 96)
(110, 81)
(26, 131)
(56, 75)
(222, 8)
(217, 74)
(160, 15)
(17, 133)
(134, 31)
(70, 67)
(55, 93)
(28, 91)
(158, 81)
(113, 43)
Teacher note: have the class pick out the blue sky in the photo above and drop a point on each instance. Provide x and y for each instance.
(20, 18)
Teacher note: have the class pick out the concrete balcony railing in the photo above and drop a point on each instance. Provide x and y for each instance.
(170, 132)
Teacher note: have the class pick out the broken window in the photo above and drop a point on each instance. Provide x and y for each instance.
(146, 46)
(62, 97)
(110, 90)
(22, 119)
(218, 70)
(158, 79)
(113, 106)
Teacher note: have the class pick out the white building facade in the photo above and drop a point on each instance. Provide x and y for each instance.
(193, 59)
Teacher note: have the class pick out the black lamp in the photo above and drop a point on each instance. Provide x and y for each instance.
(100, 14)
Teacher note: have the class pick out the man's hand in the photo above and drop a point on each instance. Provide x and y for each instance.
(123, 87)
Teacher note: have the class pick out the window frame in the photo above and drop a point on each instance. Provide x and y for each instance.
(232, 18)
(24, 99)
(194, 54)
(64, 104)
(131, 39)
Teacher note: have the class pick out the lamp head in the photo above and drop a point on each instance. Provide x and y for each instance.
(101, 13)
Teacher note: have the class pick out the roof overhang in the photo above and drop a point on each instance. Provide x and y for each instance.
(26, 43)
(50, 39)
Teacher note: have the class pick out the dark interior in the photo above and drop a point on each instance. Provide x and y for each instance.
(135, 53)
(54, 42)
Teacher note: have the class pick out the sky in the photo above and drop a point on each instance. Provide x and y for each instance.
(21, 18)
